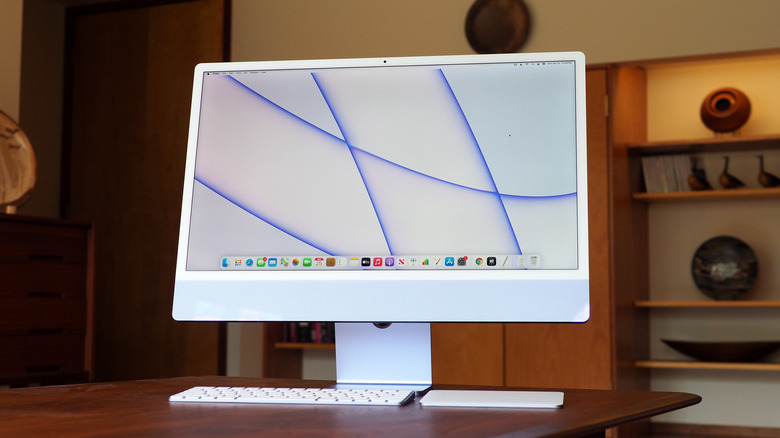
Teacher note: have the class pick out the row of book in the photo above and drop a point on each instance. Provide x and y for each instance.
(666, 173)
(309, 332)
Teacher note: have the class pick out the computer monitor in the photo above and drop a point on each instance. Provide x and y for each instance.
(404, 190)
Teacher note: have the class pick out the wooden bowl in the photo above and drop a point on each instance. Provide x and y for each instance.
(725, 110)
(740, 351)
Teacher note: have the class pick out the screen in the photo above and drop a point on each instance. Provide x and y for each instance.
(393, 189)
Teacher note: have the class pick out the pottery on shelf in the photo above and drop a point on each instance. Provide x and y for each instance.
(717, 351)
(725, 109)
(724, 268)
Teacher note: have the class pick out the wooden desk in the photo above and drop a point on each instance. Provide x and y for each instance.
(141, 408)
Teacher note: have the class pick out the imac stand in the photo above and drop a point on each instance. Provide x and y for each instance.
(396, 355)
(399, 356)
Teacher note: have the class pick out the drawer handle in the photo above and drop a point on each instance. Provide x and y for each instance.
(44, 294)
(45, 331)
(49, 258)
(44, 369)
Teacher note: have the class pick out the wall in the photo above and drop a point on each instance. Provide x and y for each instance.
(606, 30)
(619, 30)
(10, 56)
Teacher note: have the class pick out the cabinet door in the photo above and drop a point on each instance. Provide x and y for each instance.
(468, 354)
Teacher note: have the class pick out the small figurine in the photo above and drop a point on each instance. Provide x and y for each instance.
(727, 180)
(765, 178)
(697, 179)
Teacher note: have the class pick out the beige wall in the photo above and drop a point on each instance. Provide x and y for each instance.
(606, 30)
(290, 29)
(10, 56)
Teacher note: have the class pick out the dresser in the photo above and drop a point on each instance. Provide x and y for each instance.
(46, 272)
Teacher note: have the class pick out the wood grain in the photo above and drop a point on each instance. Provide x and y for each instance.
(141, 408)
(130, 79)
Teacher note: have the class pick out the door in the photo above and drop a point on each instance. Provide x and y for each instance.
(129, 80)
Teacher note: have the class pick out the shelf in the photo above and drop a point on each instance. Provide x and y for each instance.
(710, 195)
(714, 144)
(692, 365)
(709, 304)
(304, 346)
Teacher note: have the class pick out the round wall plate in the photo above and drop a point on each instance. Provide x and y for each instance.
(497, 26)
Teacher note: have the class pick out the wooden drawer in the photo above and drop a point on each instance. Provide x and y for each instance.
(43, 243)
(46, 270)
(42, 280)
(25, 315)
(55, 352)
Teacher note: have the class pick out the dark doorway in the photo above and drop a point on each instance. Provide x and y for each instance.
(129, 67)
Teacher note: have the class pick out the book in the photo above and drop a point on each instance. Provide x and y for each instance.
(666, 173)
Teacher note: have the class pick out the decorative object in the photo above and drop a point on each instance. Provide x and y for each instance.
(724, 268)
(742, 351)
(17, 165)
(725, 110)
(727, 180)
(497, 26)
(765, 178)
(697, 180)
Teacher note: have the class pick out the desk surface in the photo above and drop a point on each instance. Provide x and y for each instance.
(141, 408)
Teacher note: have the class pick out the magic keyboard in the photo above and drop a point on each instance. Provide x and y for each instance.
(321, 396)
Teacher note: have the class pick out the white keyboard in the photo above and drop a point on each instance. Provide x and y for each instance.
(328, 396)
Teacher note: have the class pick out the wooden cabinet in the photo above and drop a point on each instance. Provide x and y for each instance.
(45, 301)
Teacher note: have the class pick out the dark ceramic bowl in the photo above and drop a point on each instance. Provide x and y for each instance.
(724, 268)
(747, 351)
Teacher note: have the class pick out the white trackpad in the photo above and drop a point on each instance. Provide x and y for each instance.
(493, 399)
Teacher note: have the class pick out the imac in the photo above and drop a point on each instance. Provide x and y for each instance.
(386, 190)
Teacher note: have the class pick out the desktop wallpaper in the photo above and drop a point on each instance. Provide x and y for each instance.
(423, 163)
